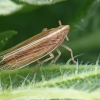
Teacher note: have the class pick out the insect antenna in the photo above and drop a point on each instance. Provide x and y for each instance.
(60, 22)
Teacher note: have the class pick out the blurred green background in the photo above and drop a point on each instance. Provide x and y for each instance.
(29, 17)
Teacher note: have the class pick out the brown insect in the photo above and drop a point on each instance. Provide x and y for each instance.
(36, 48)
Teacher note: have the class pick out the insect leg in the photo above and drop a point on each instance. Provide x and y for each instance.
(67, 38)
(35, 68)
(51, 57)
(41, 62)
(59, 53)
(38, 62)
(66, 47)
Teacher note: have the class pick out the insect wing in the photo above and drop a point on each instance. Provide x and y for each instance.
(29, 54)
(32, 39)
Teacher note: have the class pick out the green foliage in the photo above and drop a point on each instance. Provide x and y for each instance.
(5, 36)
(7, 7)
(60, 82)
(38, 2)
(29, 17)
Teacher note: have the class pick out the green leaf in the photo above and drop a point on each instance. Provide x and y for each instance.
(8, 7)
(60, 82)
(4, 37)
(39, 2)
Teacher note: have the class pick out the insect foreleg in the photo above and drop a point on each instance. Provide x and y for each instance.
(66, 47)
(67, 38)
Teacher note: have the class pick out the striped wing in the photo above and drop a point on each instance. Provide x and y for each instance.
(29, 54)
